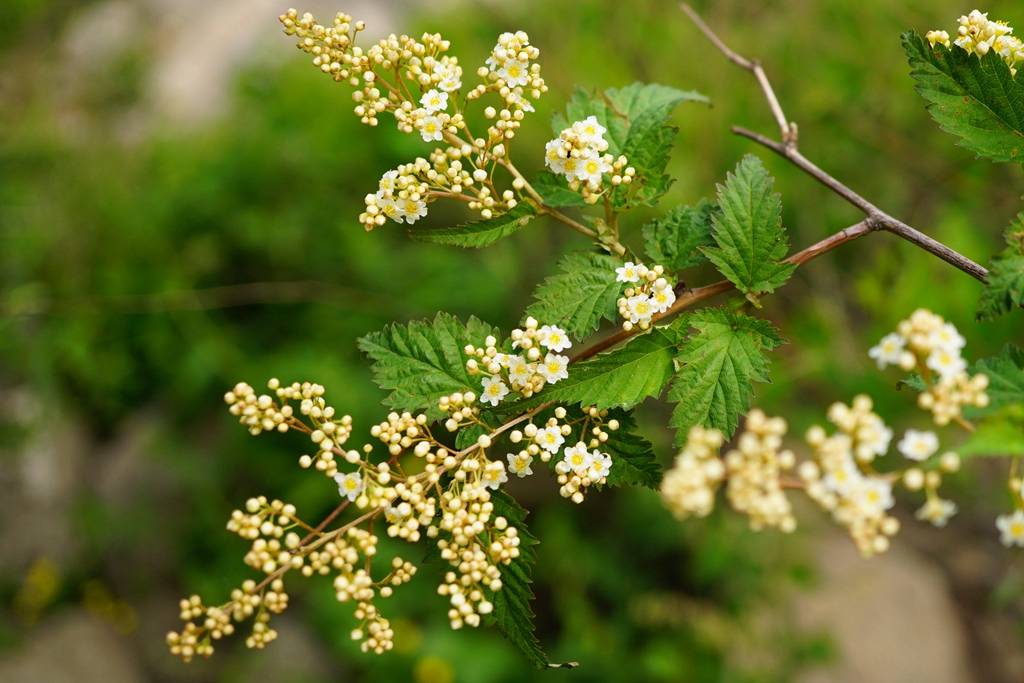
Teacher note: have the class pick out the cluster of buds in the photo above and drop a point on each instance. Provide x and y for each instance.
(268, 525)
(927, 344)
(979, 35)
(689, 487)
(474, 541)
(870, 437)
(579, 154)
(754, 470)
(648, 293)
(539, 362)
(420, 86)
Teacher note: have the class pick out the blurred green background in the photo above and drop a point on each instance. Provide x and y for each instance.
(178, 201)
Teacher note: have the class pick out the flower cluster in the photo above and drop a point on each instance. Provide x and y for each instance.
(980, 35)
(579, 154)
(754, 470)
(578, 439)
(539, 362)
(648, 293)
(689, 487)
(421, 86)
(928, 345)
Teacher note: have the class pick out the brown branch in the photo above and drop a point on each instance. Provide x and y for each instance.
(787, 148)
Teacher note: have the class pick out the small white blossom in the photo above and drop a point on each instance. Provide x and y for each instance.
(519, 464)
(554, 338)
(549, 438)
(1011, 528)
(494, 390)
(918, 445)
(947, 363)
(627, 272)
(554, 367)
(431, 128)
(577, 458)
(349, 485)
(434, 100)
(888, 351)
(600, 466)
(589, 130)
(662, 299)
(640, 308)
(494, 475)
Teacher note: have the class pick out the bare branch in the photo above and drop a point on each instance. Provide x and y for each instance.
(787, 148)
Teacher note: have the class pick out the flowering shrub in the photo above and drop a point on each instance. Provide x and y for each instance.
(469, 407)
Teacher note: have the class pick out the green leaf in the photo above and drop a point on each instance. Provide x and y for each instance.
(479, 233)
(975, 99)
(620, 378)
(424, 360)
(554, 190)
(636, 121)
(748, 231)
(721, 361)
(512, 612)
(1005, 377)
(675, 239)
(1001, 436)
(1005, 287)
(633, 459)
(583, 293)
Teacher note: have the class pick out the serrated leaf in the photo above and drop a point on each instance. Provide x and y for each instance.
(583, 293)
(976, 99)
(479, 233)
(675, 239)
(751, 242)
(620, 378)
(1004, 289)
(1005, 378)
(721, 361)
(512, 612)
(633, 459)
(555, 191)
(423, 360)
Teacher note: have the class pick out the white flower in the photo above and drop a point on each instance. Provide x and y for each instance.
(577, 458)
(387, 182)
(946, 363)
(515, 72)
(520, 464)
(494, 390)
(412, 209)
(600, 466)
(431, 128)
(662, 299)
(553, 337)
(449, 75)
(937, 511)
(873, 438)
(494, 475)
(554, 367)
(389, 207)
(627, 273)
(519, 101)
(946, 337)
(640, 308)
(592, 167)
(917, 445)
(550, 439)
(589, 130)
(844, 479)
(888, 351)
(555, 155)
(519, 370)
(873, 496)
(1011, 528)
(434, 100)
(349, 485)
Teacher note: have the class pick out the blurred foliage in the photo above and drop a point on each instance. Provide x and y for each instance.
(143, 273)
